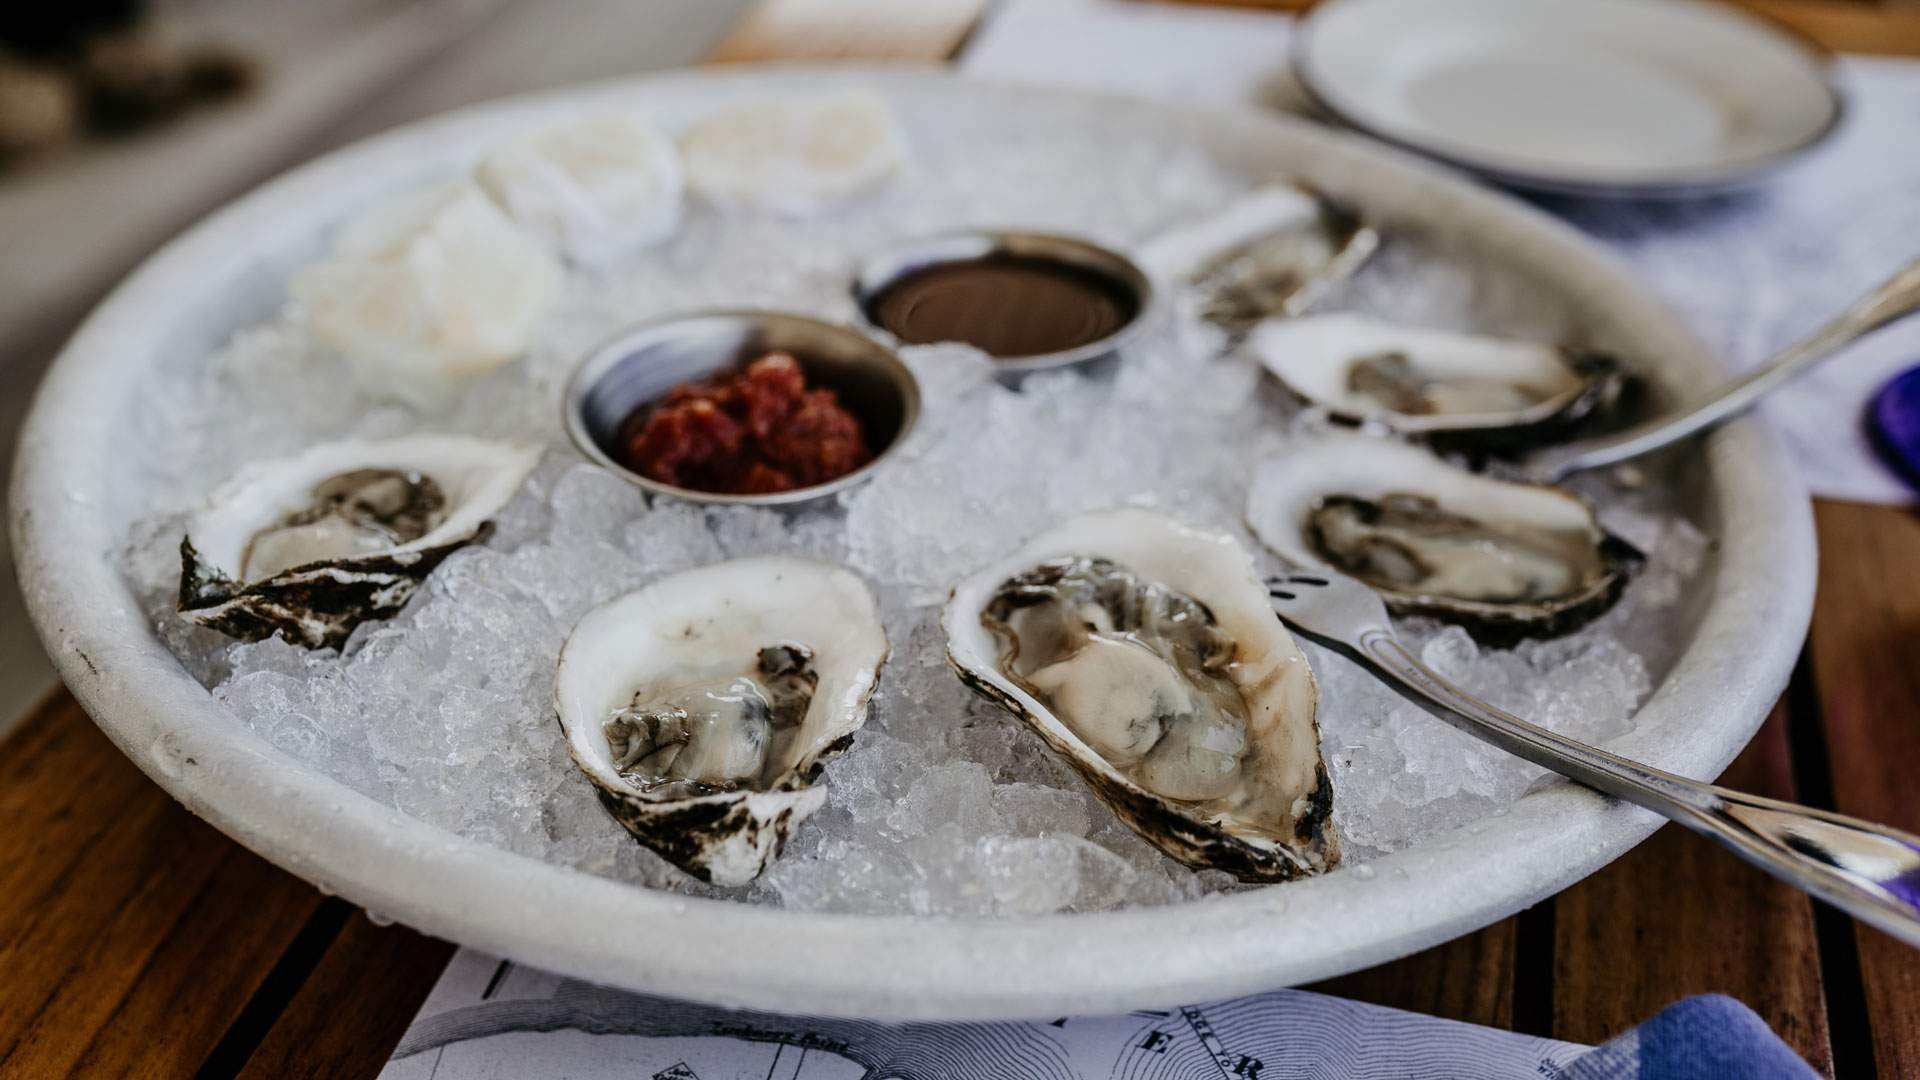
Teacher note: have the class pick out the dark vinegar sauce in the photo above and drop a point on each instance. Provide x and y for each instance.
(1005, 305)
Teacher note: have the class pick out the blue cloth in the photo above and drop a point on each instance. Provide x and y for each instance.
(1698, 1038)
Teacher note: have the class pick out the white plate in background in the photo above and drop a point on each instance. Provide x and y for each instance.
(1586, 97)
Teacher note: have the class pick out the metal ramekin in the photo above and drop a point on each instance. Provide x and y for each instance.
(878, 271)
(639, 365)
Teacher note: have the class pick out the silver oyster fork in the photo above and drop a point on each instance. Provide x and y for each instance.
(1892, 300)
(1870, 871)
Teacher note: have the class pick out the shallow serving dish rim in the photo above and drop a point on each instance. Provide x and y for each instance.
(1756, 598)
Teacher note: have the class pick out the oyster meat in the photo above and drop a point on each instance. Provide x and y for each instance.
(1144, 651)
(1508, 560)
(1464, 389)
(1270, 253)
(313, 545)
(703, 706)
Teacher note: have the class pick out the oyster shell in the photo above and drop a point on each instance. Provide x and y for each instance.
(1146, 653)
(1508, 560)
(313, 545)
(1271, 252)
(1458, 389)
(703, 706)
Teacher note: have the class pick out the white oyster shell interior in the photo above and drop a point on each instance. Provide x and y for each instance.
(1464, 380)
(1537, 545)
(712, 621)
(1273, 251)
(1182, 252)
(475, 476)
(1280, 774)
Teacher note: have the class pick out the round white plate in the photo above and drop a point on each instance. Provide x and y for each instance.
(1586, 97)
(1745, 621)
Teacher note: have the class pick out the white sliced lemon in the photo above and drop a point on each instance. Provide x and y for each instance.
(427, 290)
(593, 188)
(797, 156)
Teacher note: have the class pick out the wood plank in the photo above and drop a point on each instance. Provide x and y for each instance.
(351, 1012)
(1865, 651)
(53, 773)
(1469, 978)
(154, 910)
(848, 30)
(1679, 916)
(215, 955)
(95, 928)
(1844, 26)
(1839, 25)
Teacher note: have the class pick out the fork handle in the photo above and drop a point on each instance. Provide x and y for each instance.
(1870, 871)
(1895, 298)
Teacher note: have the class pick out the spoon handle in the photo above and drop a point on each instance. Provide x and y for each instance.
(1895, 298)
(1870, 871)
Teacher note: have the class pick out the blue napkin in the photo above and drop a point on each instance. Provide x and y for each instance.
(1697, 1038)
(1893, 419)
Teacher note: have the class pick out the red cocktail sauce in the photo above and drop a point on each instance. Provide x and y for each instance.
(755, 430)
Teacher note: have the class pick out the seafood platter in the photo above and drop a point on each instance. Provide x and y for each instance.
(797, 539)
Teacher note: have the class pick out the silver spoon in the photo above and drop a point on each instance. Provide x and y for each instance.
(1895, 298)
(1872, 872)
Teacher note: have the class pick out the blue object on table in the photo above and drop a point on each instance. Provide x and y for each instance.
(1698, 1038)
(1893, 422)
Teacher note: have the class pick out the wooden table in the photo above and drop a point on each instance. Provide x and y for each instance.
(137, 940)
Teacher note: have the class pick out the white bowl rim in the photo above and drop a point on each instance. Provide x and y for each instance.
(891, 967)
(1731, 174)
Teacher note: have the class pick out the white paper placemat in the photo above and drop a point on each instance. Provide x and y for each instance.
(488, 1019)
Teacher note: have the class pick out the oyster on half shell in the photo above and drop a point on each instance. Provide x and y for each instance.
(313, 545)
(704, 706)
(1468, 390)
(1507, 560)
(1146, 653)
(1269, 253)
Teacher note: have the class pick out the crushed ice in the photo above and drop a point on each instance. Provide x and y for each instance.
(944, 805)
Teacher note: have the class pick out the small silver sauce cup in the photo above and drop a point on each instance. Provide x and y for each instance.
(640, 364)
(879, 271)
